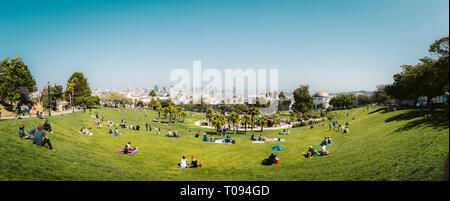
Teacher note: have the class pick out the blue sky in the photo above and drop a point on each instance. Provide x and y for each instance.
(332, 45)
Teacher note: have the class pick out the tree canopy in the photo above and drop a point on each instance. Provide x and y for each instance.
(16, 81)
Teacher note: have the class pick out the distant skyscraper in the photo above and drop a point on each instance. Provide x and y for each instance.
(156, 88)
(128, 92)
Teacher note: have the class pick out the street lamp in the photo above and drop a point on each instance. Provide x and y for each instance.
(48, 92)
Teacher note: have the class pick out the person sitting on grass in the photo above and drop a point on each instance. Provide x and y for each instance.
(138, 127)
(110, 131)
(37, 138)
(194, 163)
(253, 137)
(183, 163)
(197, 135)
(100, 125)
(205, 138)
(345, 130)
(311, 152)
(128, 146)
(271, 160)
(47, 126)
(329, 140)
(324, 150)
(261, 138)
(25, 135)
(85, 131)
(324, 142)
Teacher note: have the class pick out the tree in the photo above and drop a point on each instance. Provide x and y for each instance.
(253, 111)
(88, 101)
(261, 121)
(303, 101)
(379, 96)
(78, 85)
(282, 96)
(246, 120)
(153, 93)
(15, 80)
(235, 119)
(56, 93)
(209, 115)
(429, 77)
(218, 121)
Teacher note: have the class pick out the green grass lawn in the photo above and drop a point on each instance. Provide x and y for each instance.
(399, 145)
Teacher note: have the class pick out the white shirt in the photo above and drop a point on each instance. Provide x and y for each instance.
(324, 148)
(183, 163)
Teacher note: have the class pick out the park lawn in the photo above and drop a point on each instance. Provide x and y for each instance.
(381, 145)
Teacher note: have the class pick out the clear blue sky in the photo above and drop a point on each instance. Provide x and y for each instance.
(331, 45)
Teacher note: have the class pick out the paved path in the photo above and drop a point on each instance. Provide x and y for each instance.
(197, 123)
(46, 114)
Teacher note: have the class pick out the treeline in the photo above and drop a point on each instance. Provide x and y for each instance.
(17, 84)
(428, 78)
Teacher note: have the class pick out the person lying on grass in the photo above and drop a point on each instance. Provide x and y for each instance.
(37, 138)
(47, 126)
(25, 135)
(85, 131)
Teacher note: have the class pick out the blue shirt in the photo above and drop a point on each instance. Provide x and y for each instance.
(37, 137)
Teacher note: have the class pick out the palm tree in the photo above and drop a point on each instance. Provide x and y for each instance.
(261, 121)
(253, 111)
(159, 110)
(275, 119)
(184, 115)
(235, 119)
(246, 121)
(209, 114)
(218, 121)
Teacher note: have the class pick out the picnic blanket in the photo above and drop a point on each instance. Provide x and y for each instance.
(167, 135)
(275, 140)
(257, 141)
(318, 144)
(219, 142)
(120, 151)
(113, 134)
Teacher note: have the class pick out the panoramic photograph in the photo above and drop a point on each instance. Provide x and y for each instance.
(237, 91)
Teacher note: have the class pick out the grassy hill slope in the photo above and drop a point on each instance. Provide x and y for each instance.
(398, 145)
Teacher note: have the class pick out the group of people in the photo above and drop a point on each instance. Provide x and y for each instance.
(171, 133)
(285, 132)
(311, 152)
(38, 136)
(260, 138)
(184, 164)
(85, 131)
(115, 132)
(128, 149)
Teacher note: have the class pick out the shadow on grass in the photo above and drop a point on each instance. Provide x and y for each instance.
(437, 119)
(378, 110)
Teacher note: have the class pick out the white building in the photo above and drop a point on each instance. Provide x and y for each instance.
(321, 97)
